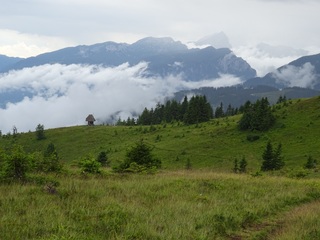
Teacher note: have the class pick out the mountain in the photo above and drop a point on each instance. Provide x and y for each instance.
(303, 72)
(164, 55)
(217, 40)
(5, 61)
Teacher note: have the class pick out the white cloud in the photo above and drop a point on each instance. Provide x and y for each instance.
(262, 61)
(293, 76)
(65, 95)
(17, 44)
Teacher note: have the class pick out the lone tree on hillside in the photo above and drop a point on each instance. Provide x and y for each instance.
(40, 132)
(51, 161)
(243, 165)
(103, 159)
(311, 163)
(272, 159)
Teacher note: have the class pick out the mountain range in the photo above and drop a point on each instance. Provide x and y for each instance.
(166, 57)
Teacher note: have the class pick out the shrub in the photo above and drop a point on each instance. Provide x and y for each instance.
(140, 155)
(89, 165)
(252, 137)
(15, 165)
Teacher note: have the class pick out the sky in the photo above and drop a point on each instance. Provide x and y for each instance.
(65, 95)
(31, 27)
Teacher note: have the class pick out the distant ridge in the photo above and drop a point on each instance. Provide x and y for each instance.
(6, 62)
(303, 72)
(164, 55)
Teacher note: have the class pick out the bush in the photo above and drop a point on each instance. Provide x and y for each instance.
(139, 155)
(89, 165)
(14, 166)
(253, 137)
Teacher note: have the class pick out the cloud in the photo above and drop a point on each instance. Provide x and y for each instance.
(268, 59)
(63, 95)
(293, 76)
(88, 22)
(17, 44)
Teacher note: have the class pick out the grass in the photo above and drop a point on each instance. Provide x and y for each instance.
(206, 202)
(168, 205)
(301, 223)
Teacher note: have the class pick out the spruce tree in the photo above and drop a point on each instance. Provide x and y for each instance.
(272, 159)
(235, 166)
(278, 162)
(40, 132)
(311, 163)
(243, 165)
(257, 116)
(219, 111)
(103, 158)
(267, 158)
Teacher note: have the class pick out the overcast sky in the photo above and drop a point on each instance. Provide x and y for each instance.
(30, 27)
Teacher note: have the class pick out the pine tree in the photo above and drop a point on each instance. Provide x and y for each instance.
(272, 159)
(243, 165)
(278, 162)
(311, 163)
(257, 116)
(183, 108)
(235, 166)
(219, 111)
(40, 132)
(103, 159)
(267, 158)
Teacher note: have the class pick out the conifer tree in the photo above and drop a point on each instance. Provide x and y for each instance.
(272, 159)
(267, 158)
(219, 111)
(257, 116)
(311, 163)
(235, 166)
(40, 132)
(243, 165)
(278, 162)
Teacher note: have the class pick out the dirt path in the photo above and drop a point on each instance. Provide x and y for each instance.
(300, 223)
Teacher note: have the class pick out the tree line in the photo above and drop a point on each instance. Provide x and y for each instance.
(195, 110)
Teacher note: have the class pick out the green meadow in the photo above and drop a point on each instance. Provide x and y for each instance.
(205, 201)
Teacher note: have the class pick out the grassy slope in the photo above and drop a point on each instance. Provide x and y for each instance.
(168, 205)
(198, 204)
(208, 145)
